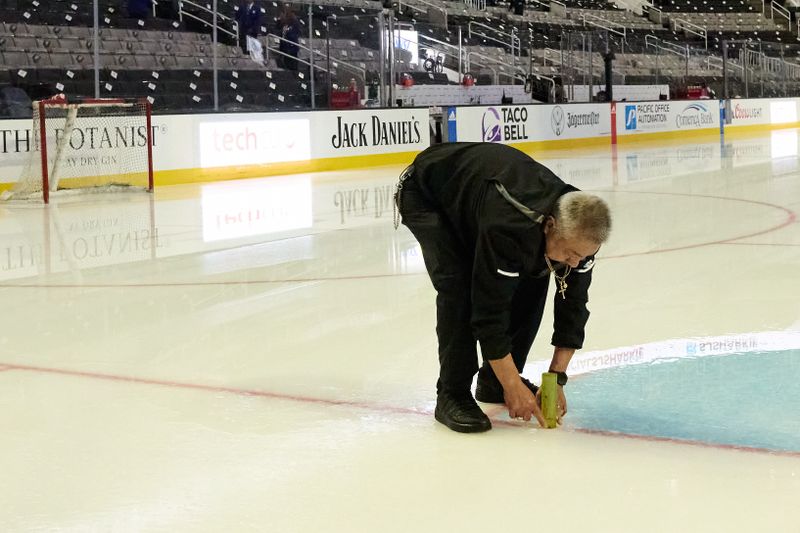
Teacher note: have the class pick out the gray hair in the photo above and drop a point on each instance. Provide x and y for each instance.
(580, 214)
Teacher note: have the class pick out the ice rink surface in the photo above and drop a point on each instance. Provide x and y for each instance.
(260, 355)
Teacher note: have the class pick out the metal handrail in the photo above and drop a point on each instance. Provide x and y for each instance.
(498, 61)
(494, 70)
(558, 55)
(478, 5)
(517, 70)
(732, 63)
(436, 41)
(682, 24)
(319, 53)
(459, 52)
(609, 25)
(278, 38)
(515, 41)
(584, 68)
(310, 65)
(458, 55)
(692, 25)
(182, 13)
(772, 65)
(684, 51)
(678, 50)
(718, 63)
(201, 8)
(623, 3)
(303, 61)
(426, 3)
(443, 52)
(657, 10)
(551, 80)
(782, 11)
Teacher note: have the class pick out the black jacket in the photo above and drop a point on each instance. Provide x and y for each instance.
(249, 19)
(497, 200)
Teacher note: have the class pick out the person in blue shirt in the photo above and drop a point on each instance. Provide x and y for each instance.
(290, 31)
(248, 18)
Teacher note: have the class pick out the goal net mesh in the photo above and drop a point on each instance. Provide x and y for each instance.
(88, 146)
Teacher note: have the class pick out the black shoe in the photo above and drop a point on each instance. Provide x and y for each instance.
(461, 413)
(489, 389)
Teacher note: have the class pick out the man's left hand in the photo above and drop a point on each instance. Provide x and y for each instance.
(561, 403)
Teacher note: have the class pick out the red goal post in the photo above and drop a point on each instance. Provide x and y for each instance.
(87, 144)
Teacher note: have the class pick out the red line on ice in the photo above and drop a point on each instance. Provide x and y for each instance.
(368, 406)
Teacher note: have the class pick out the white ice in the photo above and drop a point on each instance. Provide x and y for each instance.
(260, 355)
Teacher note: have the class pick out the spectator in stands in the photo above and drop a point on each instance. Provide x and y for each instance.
(15, 102)
(290, 31)
(248, 18)
(517, 6)
(354, 95)
(558, 91)
(707, 92)
(493, 224)
(140, 9)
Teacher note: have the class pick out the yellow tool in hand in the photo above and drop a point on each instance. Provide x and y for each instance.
(549, 399)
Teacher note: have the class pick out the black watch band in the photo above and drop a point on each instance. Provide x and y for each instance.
(561, 377)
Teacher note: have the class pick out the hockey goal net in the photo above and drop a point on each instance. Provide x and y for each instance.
(87, 145)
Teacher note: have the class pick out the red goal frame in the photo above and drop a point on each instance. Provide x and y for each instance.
(64, 102)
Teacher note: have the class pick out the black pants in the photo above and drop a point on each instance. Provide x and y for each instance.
(289, 62)
(449, 264)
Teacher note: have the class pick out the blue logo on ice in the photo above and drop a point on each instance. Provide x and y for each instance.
(691, 348)
(630, 117)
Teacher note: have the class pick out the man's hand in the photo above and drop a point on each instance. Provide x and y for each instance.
(522, 403)
(561, 359)
(561, 403)
(519, 399)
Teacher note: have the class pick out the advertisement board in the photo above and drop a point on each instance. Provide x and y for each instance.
(368, 132)
(95, 146)
(667, 116)
(748, 112)
(532, 123)
(185, 142)
(783, 111)
(253, 140)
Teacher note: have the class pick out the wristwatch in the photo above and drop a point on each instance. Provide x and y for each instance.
(561, 377)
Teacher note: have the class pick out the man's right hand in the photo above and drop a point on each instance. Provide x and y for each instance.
(519, 399)
(522, 403)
